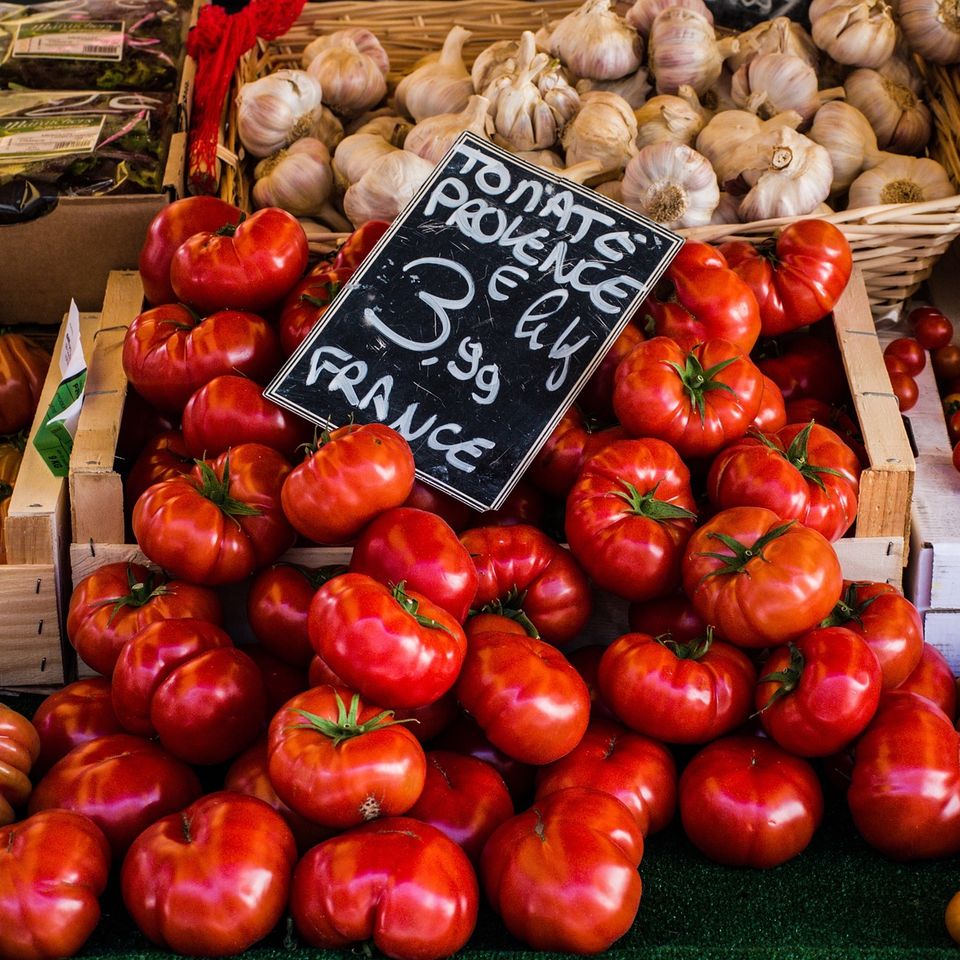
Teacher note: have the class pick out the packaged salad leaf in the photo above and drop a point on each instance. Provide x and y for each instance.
(80, 144)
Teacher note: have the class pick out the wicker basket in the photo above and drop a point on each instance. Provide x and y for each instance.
(895, 246)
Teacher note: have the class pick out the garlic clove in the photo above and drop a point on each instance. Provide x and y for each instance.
(298, 179)
(596, 43)
(387, 186)
(433, 137)
(441, 85)
(277, 109)
(897, 179)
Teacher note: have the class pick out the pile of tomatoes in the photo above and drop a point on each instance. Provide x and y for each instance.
(434, 722)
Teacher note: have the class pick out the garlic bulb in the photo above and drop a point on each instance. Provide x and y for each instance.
(604, 129)
(774, 82)
(931, 29)
(684, 50)
(328, 129)
(643, 12)
(672, 184)
(351, 80)
(276, 110)
(728, 209)
(360, 37)
(438, 86)
(780, 35)
(887, 97)
(432, 138)
(492, 62)
(634, 88)
(788, 173)
(725, 133)
(358, 152)
(297, 179)
(858, 33)
(897, 179)
(596, 43)
(388, 185)
(668, 117)
(849, 139)
(389, 126)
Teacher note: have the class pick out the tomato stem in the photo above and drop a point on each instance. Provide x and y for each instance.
(510, 606)
(742, 554)
(697, 381)
(788, 678)
(694, 650)
(141, 592)
(412, 606)
(647, 504)
(346, 726)
(849, 608)
(217, 491)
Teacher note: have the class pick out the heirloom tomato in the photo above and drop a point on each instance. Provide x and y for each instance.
(931, 328)
(306, 303)
(525, 503)
(164, 456)
(586, 661)
(424, 497)
(677, 692)
(169, 352)
(772, 414)
(933, 678)
(745, 802)
(797, 276)
(807, 366)
(53, 867)
(19, 749)
(628, 517)
(392, 645)
(530, 578)
(248, 265)
(674, 615)
(697, 401)
(817, 693)
(430, 721)
(701, 298)
(397, 882)
(355, 473)
(595, 399)
(221, 522)
(563, 875)
(115, 601)
(23, 368)
(354, 250)
(211, 879)
(760, 581)
(281, 681)
(338, 765)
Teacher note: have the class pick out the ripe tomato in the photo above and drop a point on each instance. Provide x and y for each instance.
(424, 497)
(115, 601)
(629, 515)
(909, 352)
(639, 772)
(524, 694)
(673, 615)
(895, 364)
(250, 265)
(758, 580)
(306, 303)
(596, 396)
(355, 473)
(946, 362)
(393, 646)
(53, 867)
(951, 917)
(816, 694)
(705, 300)
(354, 250)
(677, 692)
(586, 661)
(164, 456)
(23, 368)
(525, 503)
(281, 682)
(807, 367)
(19, 749)
(906, 391)
(931, 328)
(339, 766)
(933, 678)
(169, 352)
(796, 277)
(745, 802)
(563, 874)
(955, 457)
(221, 522)
(697, 401)
(211, 879)
(398, 882)
(772, 414)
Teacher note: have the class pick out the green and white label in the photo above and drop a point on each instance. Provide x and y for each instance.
(70, 40)
(38, 137)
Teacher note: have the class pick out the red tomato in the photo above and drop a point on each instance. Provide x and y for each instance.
(802, 472)
(281, 682)
(421, 550)
(397, 882)
(772, 414)
(931, 328)
(816, 694)
(563, 875)
(251, 265)
(23, 368)
(169, 352)
(339, 766)
(706, 301)
(277, 603)
(889, 623)
(424, 497)
(115, 601)
(697, 401)
(525, 503)
(530, 578)
(53, 867)
(797, 277)
(524, 694)
(946, 362)
(628, 517)
(78, 712)
(586, 661)
(306, 303)
(175, 223)
(674, 615)
(464, 798)
(354, 250)
(895, 364)
(639, 772)
(596, 396)
(745, 802)
(678, 692)
(19, 749)
(222, 522)
(354, 474)
(905, 790)
(123, 783)
(393, 646)
(906, 391)
(211, 879)
(184, 682)
(429, 721)
(759, 581)
(933, 678)
(807, 367)
(164, 456)
(909, 352)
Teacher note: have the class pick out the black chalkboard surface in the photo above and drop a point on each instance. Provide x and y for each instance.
(743, 14)
(478, 316)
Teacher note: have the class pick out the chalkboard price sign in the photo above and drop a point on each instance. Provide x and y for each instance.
(478, 316)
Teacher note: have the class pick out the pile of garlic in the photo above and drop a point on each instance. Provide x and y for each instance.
(651, 107)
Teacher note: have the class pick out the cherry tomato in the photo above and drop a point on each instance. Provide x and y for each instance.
(906, 391)
(909, 352)
(951, 917)
(931, 328)
(946, 362)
